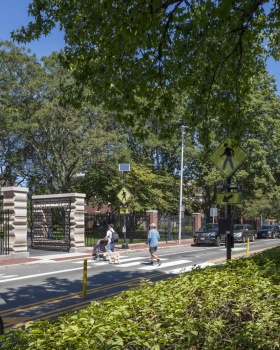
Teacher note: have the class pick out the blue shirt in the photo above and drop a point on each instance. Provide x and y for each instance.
(153, 237)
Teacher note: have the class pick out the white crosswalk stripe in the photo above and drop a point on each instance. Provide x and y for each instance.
(142, 263)
(126, 263)
(99, 263)
(189, 268)
(171, 263)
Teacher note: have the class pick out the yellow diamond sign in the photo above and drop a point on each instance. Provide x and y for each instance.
(228, 158)
(124, 211)
(227, 198)
(124, 195)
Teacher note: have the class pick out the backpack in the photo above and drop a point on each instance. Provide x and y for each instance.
(114, 237)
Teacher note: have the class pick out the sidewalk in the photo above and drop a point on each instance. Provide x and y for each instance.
(42, 256)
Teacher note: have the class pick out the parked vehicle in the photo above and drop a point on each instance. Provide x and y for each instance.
(241, 232)
(269, 231)
(1, 326)
(209, 234)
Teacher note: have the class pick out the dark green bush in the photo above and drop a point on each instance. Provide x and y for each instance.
(234, 306)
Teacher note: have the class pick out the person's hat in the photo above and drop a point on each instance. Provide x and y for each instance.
(153, 225)
(111, 225)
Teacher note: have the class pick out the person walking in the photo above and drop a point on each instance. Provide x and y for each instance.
(153, 239)
(108, 237)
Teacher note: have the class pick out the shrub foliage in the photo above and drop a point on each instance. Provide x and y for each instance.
(232, 306)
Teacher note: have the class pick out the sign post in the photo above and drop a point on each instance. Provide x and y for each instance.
(228, 158)
(124, 196)
(213, 213)
(229, 237)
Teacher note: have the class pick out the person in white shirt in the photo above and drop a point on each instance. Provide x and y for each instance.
(108, 237)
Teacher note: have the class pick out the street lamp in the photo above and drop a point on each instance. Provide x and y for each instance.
(181, 185)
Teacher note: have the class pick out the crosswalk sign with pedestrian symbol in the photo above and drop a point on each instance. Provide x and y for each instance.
(228, 158)
(124, 195)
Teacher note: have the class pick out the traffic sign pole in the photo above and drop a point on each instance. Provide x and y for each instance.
(124, 196)
(229, 237)
(124, 245)
(228, 158)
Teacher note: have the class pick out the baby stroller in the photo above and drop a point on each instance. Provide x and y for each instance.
(99, 250)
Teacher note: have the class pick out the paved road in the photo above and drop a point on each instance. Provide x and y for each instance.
(52, 285)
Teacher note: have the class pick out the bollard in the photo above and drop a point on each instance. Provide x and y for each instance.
(85, 279)
(247, 246)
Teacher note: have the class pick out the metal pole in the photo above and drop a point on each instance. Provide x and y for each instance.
(85, 279)
(247, 246)
(181, 186)
(124, 245)
(230, 235)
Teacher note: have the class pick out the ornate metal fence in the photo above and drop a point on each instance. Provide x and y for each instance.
(4, 231)
(96, 226)
(168, 227)
(50, 223)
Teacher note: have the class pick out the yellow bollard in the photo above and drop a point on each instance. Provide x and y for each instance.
(247, 246)
(85, 280)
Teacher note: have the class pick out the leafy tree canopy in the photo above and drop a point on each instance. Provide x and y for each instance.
(202, 53)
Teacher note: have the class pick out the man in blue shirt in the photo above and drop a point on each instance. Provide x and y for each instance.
(153, 238)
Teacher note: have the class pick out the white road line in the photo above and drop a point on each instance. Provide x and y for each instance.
(8, 276)
(40, 275)
(171, 263)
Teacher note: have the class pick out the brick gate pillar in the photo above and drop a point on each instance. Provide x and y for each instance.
(197, 221)
(153, 216)
(15, 200)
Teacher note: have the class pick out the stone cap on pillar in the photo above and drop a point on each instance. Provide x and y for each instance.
(14, 189)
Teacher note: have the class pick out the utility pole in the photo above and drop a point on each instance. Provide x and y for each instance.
(181, 186)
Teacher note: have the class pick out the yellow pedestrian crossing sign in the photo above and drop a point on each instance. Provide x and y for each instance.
(124, 195)
(124, 211)
(228, 158)
(227, 198)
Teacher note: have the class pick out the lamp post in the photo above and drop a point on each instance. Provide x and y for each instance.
(181, 186)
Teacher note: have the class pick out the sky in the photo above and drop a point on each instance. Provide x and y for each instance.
(13, 15)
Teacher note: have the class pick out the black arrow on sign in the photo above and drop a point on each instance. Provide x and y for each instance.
(226, 198)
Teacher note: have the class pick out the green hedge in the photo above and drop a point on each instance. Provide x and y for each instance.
(233, 306)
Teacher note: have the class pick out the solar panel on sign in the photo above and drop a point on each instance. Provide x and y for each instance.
(124, 167)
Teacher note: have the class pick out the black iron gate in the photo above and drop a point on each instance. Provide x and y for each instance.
(168, 227)
(50, 223)
(4, 231)
(96, 226)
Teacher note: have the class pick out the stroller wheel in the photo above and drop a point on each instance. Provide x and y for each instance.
(97, 259)
(104, 258)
